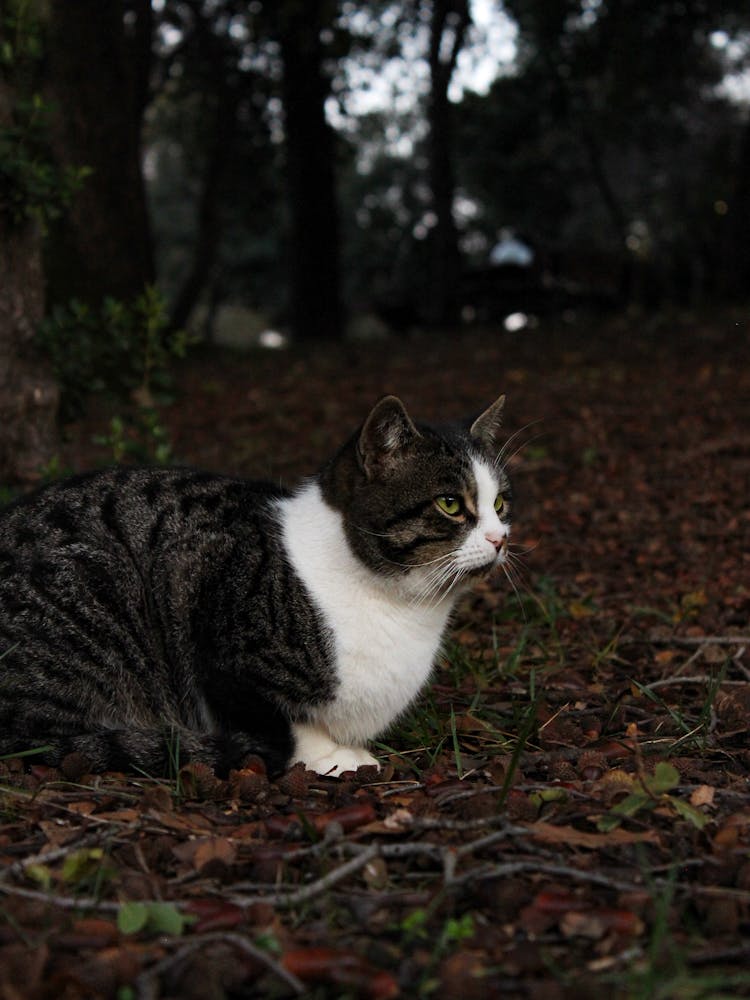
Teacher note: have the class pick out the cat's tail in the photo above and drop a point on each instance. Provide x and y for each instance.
(159, 752)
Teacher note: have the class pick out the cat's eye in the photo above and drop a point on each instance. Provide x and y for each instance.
(499, 502)
(449, 505)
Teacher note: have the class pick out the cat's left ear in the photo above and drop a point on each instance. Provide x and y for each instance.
(385, 434)
(486, 427)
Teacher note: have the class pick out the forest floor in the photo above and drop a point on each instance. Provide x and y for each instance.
(565, 813)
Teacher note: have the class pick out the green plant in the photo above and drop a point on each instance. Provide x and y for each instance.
(415, 930)
(120, 348)
(695, 731)
(648, 792)
(123, 350)
(33, 186)
(174, 779)
(84, 871)
(152, 918)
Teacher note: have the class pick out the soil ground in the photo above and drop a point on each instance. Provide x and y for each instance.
(565, 813)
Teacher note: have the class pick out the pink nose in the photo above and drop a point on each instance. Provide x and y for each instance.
(499, 541)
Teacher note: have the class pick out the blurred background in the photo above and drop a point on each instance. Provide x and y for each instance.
(321, 171)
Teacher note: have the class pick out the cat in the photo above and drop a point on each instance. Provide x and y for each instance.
(150, 617)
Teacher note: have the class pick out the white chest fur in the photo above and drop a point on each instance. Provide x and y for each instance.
(384, 645)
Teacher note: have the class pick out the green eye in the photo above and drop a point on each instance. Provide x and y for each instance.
(449, 505)
(499, 502)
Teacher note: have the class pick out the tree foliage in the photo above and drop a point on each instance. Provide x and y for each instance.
(309, 160)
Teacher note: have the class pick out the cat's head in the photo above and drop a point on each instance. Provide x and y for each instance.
(429, 505)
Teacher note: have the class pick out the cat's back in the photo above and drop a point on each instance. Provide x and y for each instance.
(131, 508)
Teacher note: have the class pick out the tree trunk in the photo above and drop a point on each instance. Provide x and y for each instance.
(208, 233)
(103, 245)
(224, 108)
(28, 393)
(314, 253)
(737, 264)
(615, 210)
(448, 16)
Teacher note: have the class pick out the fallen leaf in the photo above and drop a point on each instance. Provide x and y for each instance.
(214, 855)
(399, 819)
(597, 922)
(342, 969)
(350, 817)
(213, 915)
(550, 834)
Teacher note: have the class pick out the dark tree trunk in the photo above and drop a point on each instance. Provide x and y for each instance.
(220, 106)
(314, 231)
(449, 22)
(615, 210)
(209, 212)
(737, 265)
(96, 85)
(28, 393)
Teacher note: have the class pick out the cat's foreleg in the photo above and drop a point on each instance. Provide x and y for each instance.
(315, 748)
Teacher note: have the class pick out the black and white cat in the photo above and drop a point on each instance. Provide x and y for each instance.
(149, 617)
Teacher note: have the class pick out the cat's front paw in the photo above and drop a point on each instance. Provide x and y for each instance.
(343, 759)
(320, 753)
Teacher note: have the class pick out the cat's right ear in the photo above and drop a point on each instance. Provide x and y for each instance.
(387, 431)
(486, 427)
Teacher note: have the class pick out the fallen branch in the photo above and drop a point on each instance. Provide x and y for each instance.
(544, 868)
(690, 640)
(146, 985)
(45, 857)
(694, 679)
(286, 900)
(61, 902)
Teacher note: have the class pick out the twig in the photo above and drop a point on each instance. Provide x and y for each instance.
(286, 900)
(430, 823)
(694, 679)
(708, 957)
(517, 867)
(146, 983)
(62, 902)
(594, 878)
(481, 842)
(401, 787)
(45, 857)
(692, 640)
(362, 854)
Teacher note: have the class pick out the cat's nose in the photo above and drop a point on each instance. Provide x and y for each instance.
(499, 541)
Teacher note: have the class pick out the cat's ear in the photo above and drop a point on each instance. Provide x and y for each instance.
(486, 427)
(387, 431)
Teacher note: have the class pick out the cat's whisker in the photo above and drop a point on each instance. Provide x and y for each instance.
(436, 581)
(524, 444)
(516, 566)
(503, 451)
(433, 585)
(516, 591)
(444, 558)
(511, 576)
(519, 550)
(374, 534)
(442, 584)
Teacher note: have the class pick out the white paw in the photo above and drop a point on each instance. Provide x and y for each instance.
(318, 752)
(343, 759)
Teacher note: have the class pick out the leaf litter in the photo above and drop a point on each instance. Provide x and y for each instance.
(565, 811)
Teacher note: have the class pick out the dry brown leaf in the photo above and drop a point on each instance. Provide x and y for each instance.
(703, 796)
(550, 834)
(214, 855)
(595, 923)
